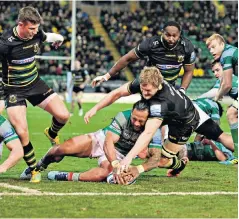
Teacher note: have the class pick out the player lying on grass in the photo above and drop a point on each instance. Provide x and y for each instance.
(108, 145)
(11, 140)
(167, 106)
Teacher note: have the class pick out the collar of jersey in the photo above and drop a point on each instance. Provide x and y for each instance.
(166, 46)
(16, 34)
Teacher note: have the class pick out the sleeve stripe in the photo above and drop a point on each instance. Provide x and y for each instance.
(114, 131)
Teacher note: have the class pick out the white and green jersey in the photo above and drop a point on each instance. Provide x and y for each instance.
(7, 132)
(229, 58)
(233, 93)
(121, 125)
(210, 107)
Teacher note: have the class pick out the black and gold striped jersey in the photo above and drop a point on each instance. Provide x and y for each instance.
(18, 58)
(168, 60)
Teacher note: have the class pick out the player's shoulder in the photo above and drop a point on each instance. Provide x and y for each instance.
(186, 42)
(7, 37)
(122, 117)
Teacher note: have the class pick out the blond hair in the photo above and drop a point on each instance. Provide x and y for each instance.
(217, 37)
(151, 75)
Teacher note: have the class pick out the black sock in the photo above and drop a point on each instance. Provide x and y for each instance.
(29, 156)
(177, 164)
(79, 105)
(55, 127)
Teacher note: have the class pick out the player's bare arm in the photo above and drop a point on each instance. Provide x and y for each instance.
(134, 171)
(226, 84)
(142, 142)
(187, 77)
(109, 148)
(118, 66)
(107, 100)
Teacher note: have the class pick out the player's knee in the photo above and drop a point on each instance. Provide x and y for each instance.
(63, 116)
(22, 131)
(164, 162)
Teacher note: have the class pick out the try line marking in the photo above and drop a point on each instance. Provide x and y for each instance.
(32, 192)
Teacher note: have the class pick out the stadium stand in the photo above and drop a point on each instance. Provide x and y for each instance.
(199, 19)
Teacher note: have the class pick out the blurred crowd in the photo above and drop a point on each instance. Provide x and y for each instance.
(198, 19)
(90, 48)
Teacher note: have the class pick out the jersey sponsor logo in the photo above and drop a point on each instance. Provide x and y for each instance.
(170, 55)
(24, 61)
(193, 57)
(181, 58)
(11, 38)
(162, 67)
(156, 43)
(36, 47)
(155, 110)
(12, 99)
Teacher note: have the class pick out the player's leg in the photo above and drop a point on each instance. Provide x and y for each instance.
(79, 102)
(73, 100)
(55, 106)
(232, 116)
(170, 160)
(79, 146)
(213, 132)
(17, 117)
(16, 153)
(97, 174)
(12, 142)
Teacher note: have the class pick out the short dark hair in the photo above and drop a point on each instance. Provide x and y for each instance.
(220, 109)
(29, 14)
(141, 105)
(172, 23)
(214, 62)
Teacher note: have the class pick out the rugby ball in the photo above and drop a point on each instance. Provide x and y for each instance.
(110, 180)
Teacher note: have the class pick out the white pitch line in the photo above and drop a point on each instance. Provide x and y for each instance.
(118, 194)
(22, 189)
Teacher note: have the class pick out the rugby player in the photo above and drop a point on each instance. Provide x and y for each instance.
(218, 71)
(205, 149)
(169, 52)
(80, 78)
(108, 145)
(228, 57)
(18, 47)
(167, 106)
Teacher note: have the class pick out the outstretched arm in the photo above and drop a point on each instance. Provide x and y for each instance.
(107, 100)
(142, 142)
(135, 171)
(119, 65)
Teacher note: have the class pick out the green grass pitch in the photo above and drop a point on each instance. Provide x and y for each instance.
(197, 177)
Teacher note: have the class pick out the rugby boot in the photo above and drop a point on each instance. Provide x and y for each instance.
(54, 141)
